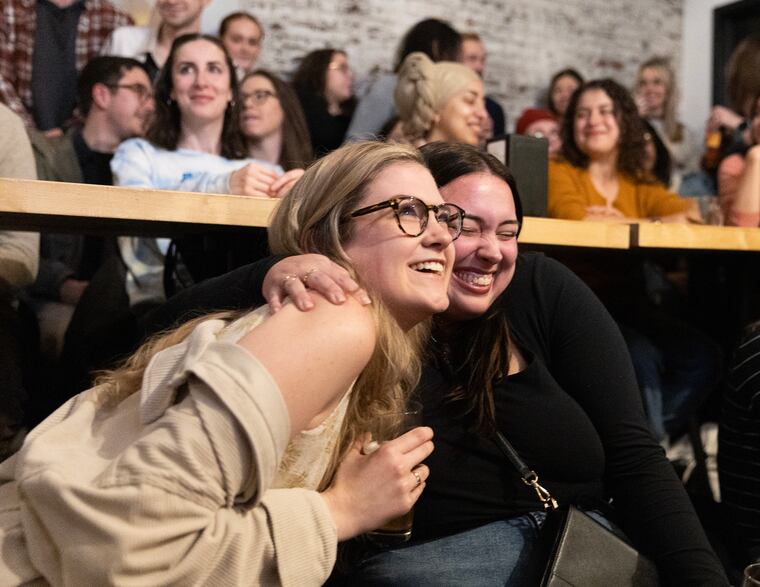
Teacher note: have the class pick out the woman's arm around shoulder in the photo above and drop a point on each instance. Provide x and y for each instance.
(314, 356)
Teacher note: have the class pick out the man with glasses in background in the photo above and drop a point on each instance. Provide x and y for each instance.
(116, 99)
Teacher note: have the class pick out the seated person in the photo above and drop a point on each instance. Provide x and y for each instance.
(526, 348)
(199, 461)
(540, 123)
(601, 174)
(474, 57)
(739, 179)
(242, 35)
(656, 96)
(19, 257)
(561, 88)
(439, 101)
(152, 44)
(324, 85)
(433, 37)
(602, 177)
(273, 122)
(193, 143)
(115, 98)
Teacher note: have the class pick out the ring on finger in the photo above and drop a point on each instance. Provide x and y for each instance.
(309, 273)
(417, 477)
(287, 279)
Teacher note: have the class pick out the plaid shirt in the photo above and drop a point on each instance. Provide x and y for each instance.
(17, 26)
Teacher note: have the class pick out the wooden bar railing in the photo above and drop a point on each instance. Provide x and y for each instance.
(70, 207)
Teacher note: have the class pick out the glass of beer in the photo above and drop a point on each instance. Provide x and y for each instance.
(388, 426)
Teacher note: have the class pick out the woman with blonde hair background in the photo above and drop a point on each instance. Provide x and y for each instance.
(656, 96)
(441, 101)
(189, 464)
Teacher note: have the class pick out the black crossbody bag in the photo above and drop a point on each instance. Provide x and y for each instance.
(580, 552)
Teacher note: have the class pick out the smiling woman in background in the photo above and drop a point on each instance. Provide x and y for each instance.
(441, 101)
(657, 99)
(602, 174)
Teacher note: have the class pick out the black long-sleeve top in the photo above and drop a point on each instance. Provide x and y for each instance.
(574, 414)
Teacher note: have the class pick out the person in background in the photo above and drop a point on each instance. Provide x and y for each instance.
(474, 57)
(193, 143)
(116, 100)
(151, 44)
(242, 35)
(739, 179)
(657, 161)
(221, 453)
(561, 88)
(540, 123)
(324, 85)
(601, 173)
(602, 177)
(19, 257)
(435, 38)
(43, 46)
(273, 122)
(439, 101)
(656, 96)
(743, 80)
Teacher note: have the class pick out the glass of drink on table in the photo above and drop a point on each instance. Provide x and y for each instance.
(388, 426)
(752, 576)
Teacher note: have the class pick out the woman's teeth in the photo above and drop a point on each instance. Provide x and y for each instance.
(482, 279)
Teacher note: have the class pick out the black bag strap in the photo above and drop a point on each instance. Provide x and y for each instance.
(528, 475)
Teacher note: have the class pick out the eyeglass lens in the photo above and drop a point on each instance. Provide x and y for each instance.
(413, 217)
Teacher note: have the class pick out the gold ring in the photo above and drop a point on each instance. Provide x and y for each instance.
(287, 278)
(417, 476)
(309, 273)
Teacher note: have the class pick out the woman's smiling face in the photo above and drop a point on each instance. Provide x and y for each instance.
(486, 251)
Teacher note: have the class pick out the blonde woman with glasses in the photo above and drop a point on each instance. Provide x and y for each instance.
(226, 452)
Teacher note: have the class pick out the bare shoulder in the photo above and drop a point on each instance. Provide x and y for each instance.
(349, 324)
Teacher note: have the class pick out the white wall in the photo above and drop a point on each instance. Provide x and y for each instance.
(696, 64)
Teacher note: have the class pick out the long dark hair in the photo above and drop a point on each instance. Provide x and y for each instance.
(310, 79)
(631, 143)
(663, 164)
(568, 72)
(435, 38)
(476, 357)
(165, 126)
(296, 145)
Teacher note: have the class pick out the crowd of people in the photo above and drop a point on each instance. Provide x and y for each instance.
(393, 261)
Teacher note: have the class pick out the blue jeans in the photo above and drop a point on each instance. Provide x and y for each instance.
(499, 553)
(676, 367)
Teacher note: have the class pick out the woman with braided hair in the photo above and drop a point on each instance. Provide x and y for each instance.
(441, 101)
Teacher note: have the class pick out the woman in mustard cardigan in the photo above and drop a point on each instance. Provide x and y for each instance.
(601, 175)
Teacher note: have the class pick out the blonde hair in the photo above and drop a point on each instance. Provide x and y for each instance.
(673, 128)
(424, 87)
(315, 218)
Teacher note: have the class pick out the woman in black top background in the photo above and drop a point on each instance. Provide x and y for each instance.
(324, 84)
